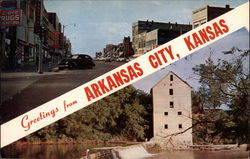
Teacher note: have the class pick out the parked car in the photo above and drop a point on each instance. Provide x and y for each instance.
(108, 59)
(127, 59)
(121, 59)
(77, 61)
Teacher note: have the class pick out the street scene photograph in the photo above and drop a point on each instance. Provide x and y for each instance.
(194, 108)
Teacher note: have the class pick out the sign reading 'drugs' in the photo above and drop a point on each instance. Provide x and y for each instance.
(124, 75)
(10, 17)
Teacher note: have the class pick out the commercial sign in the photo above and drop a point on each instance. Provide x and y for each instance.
(124, 75)
(10, 17)
(56, 38)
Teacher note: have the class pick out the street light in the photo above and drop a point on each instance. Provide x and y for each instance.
(64, 26)
(3, 37)
(40, 64)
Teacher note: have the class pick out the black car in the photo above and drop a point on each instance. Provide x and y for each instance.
(77, 61)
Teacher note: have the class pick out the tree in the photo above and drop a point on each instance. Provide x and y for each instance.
(122, 114)
(226, 82)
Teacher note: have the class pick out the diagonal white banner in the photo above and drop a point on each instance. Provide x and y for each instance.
(124, 75)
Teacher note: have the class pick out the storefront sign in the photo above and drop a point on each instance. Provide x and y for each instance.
(10, 17)
(56, 39)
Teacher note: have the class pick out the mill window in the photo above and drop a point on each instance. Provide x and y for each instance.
(171, 104)
(166, 126)
(171, 77)
(180, 126)
(171, 91)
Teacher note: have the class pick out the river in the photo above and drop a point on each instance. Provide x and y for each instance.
(72, 151)
(196, 154)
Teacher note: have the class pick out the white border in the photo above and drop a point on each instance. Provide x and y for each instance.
(12, 130)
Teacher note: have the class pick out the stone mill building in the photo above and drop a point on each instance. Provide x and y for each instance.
(172, 111)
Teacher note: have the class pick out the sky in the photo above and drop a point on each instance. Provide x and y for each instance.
(101, 22)
(183, 67)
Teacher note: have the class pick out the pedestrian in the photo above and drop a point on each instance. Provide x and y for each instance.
(14, 63)
(86, 154)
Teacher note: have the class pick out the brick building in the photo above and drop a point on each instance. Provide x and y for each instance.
(207, 13)
(123, 49)
(127, 47)
(109, 50)
(55, 33)
(150, 34)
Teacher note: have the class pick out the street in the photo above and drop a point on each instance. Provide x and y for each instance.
(29, 90)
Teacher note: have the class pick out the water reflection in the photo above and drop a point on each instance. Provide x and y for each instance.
(46, 151)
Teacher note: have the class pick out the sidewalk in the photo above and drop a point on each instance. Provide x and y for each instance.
(30, 71)
(14, 82)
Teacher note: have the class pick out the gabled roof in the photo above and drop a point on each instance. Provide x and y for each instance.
(170, 72)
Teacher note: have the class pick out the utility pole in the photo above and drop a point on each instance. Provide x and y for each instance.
(42, 40)
(63, 40)
(40, 62)
(3, 36)
(2, 52)
(64, 26)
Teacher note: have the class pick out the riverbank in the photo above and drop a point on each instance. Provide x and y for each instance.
(89, 142)
(154, 147)
(211, 152)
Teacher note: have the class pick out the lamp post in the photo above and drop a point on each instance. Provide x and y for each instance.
(2, 51)
(64, 26)
(40, 64)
